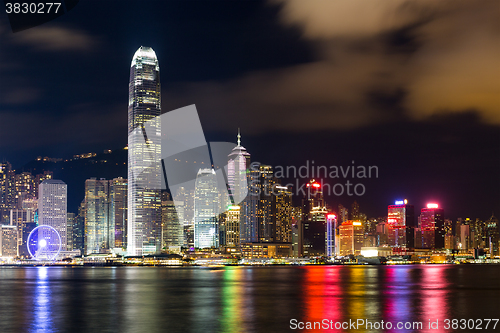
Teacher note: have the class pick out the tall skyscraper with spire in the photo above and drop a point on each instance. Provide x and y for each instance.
(238, 163)
(144, 154)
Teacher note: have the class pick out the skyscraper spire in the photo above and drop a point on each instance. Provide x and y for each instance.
(239, 138)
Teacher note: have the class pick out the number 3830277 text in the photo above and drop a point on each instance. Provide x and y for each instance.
(32, 7)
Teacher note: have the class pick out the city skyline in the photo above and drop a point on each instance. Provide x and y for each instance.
(249, 166)
(301, 98)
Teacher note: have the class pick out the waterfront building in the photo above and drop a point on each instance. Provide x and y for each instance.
(232, 226)
(431, 227)
(144, 154)
(401, 225)
(118, 212)
(24, 220)
(313, 241)
(249, 221)
(283, 214)
(172, 225)
(351, 235)
(8, 241)
(493, 235)
(206, 203)
(53, 206)
(265, 212)
(70, 224)
(99, 233)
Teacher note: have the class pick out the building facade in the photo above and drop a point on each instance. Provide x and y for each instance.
(206, 203)
(401, 225)
(53, 206)
(144, 154)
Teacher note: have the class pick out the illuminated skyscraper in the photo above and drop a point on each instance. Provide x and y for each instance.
(493, 235)
(52, 207)
(8, 241)
(144, 154)
(249, 227)
(313, 240)
(172, 213)
(351, 238)
(232, 226)
(401, 225)
(24, 220)
(265, 213)
(238, 163)
(431, 225)
(235, 218)
(283, 214)
(118, 212)
(97, 222)
(206, 203)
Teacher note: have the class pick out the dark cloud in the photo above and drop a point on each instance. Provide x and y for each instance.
(55, 38)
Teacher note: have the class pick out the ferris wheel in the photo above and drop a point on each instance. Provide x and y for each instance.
(44, 243)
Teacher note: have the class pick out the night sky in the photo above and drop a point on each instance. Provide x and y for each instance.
(412, 87)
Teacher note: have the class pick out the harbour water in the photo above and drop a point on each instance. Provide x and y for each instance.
(248, 299)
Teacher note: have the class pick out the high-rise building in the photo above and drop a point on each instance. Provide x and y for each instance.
(118, 212)
(7, 177)
(464, 242)
(24, 220)
(8, 241)
(98, 230)
(238, 163)
(283, 214)
(237, 178)
(187, 199)
(53, 206)
(431, 225)
(206, 203)
(351, 238)
(249, 222)
(144, 154)
(70, 224)
(172, 225)
(265, 216)
(232, 226)
(401, 225)
(313, 240)
(79, 229)
(493, 235)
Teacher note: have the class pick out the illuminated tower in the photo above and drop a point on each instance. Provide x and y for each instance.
(351, 238)
(431, 225)
(172, 224)
(401, 225)
(53, 206)
(237, 166)
(238, 163)
(206, 228)
(313, 241)
(97, 219)
(283, 214)
(118, 212)
(144, 154)
(265, 212)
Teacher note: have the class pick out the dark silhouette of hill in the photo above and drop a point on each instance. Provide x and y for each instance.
(74, 172)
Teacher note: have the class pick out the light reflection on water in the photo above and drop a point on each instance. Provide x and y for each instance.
(241, 299)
